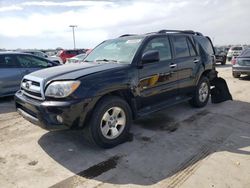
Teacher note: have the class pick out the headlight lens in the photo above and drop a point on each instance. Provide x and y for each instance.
(61, 89)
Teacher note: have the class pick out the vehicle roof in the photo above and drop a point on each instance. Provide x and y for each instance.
(164, 32)
(14, 52)
(17, 52)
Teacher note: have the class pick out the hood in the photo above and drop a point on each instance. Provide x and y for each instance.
(73, 71)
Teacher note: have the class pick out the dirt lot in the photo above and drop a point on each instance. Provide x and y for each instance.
(178, 147)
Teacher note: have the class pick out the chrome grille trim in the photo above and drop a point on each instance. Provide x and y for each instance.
(33, 87)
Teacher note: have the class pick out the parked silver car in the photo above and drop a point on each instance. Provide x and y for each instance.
(15, 65)
(53, 58)
(241, 64)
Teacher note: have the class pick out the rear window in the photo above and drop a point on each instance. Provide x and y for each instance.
(245, 53)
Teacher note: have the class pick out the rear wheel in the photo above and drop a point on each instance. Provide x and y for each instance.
(110, 122)
(236, 75)
(201, 93)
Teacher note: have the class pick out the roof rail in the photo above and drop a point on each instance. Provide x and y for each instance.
(126, 35)
(180, 31)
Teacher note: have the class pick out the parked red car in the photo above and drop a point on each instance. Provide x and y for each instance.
(65, 54)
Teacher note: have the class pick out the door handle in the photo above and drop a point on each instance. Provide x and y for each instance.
(172, 65)
(196, 60)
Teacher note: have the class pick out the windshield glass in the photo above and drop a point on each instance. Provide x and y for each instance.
(237, 48)
(121, 50)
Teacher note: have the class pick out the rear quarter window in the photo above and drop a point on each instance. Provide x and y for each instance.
(206, 44)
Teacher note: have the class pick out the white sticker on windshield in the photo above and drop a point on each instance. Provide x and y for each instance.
(133, 41)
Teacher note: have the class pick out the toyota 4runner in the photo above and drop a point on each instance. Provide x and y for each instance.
(120, 80)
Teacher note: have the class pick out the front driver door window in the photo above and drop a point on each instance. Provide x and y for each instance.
(157, 79)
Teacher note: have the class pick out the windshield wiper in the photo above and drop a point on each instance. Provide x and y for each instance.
(107, 60)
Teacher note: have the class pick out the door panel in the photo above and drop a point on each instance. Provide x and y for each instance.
(188, 62)
(10, 75)
(157, 80)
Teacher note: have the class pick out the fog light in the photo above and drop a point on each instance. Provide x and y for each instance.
(59, 118)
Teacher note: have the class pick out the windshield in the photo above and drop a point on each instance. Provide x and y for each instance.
(121, 50)
(237, 48)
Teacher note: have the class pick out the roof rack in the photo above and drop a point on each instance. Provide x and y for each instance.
(127, 35)
(180, 31)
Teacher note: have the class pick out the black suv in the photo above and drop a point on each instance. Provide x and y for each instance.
(120, 80)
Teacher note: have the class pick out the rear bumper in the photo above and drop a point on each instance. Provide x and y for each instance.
(52, 115)
(241, 69)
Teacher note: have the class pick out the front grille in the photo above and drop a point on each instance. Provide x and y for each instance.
(31, 93)
(31, 88)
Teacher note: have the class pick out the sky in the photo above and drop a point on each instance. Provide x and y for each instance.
(45, 24)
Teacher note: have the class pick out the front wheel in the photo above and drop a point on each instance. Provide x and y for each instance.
(201, 93)
(110, 122)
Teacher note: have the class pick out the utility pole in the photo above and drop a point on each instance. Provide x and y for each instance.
(73, 29)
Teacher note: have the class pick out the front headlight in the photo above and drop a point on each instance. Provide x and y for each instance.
(61, 89)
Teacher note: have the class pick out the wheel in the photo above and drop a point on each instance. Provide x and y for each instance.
(201, 93)
(223, 62)
(236, 75)
(110, 122)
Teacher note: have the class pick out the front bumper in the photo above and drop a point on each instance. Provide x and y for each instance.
(45, 113)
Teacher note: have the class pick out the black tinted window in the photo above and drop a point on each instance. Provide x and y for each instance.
(8, 61)
(162, 45)
(191, 48)
(31, 62)
(237, 48)
(180, 46)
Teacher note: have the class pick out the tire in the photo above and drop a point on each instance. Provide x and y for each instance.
(201, 93)
(110, 122)
(236, 75)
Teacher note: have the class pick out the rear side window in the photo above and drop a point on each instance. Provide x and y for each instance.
(8, 61)
(206, 44)
(180, 46)
(31, 62)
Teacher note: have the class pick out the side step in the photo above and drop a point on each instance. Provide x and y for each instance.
(163, 105)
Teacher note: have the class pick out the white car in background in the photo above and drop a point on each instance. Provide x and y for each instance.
(38, 53)
(234, 51)
(76, 59)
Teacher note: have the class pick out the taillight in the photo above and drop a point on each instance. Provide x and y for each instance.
(234, 61)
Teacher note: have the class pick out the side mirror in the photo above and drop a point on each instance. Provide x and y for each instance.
(150, 56)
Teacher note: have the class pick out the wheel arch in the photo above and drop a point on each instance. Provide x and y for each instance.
(125, 94)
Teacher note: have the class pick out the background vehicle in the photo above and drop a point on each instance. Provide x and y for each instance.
(241, 64)
(220, 56)
(120, 80)
(76, 59)
(44, 55)
(234, 51)
(14, 65)
(65, 54)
